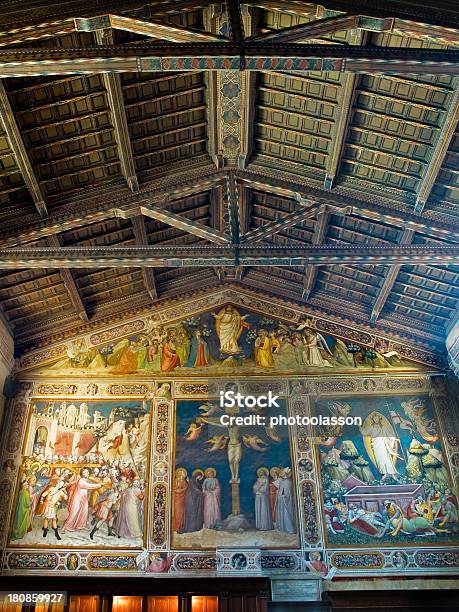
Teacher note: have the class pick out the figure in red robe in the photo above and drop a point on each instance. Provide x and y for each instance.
(201, 356)
(170, 360)
(180, 489)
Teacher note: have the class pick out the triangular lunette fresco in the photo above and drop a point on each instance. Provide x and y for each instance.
(222, 334)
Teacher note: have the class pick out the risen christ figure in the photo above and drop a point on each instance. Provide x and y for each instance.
(230, 325)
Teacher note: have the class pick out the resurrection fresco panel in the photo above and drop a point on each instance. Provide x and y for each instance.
(82, 482)
(233, 485)
(230, 340)
(385, 481)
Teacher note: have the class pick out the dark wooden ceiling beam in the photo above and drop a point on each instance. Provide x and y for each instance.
(343, 115)
(186, 225)
(69, 283)
(20, 153)
(213, 21)
(141, 238)
(236, 26)
(115, 97)
(231, 207)
(248, 95)
(283, 185)
(233, 254)
(164, 57)
(440, 149)
(342, 22)
(230, 94)
(388, 283)
(318, 238)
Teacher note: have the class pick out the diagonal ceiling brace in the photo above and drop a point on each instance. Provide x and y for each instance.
(69, 282)
(20, 152)
(406, 238)
(268, 230)
(112, 83)
(320, 231)
(187, 225)
(141, 238)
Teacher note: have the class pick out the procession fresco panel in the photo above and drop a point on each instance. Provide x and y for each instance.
(83, 477)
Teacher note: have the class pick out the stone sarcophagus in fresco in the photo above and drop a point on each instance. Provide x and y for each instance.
(115, 457)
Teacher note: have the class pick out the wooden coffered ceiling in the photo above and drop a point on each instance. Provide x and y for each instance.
(310, 151)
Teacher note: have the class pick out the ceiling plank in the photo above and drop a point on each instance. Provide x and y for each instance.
(180, 185)
(115, 97)
(285, 6)
(230, 255)
(69, 283)
(141, 238)
(20, 152)
(15, 62)
(186, 225)
(320, 231)
(444, 137)
(406, 238)
(343, 115)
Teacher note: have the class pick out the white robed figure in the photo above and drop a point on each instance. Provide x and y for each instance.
(263, 518)
(229, 325)
(285, 505)
(381, 443)
(128, 520)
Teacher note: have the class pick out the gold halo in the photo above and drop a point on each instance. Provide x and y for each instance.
(197, 471)
(210, 472)
(263, 470)
(274, 470)
(181, 470)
